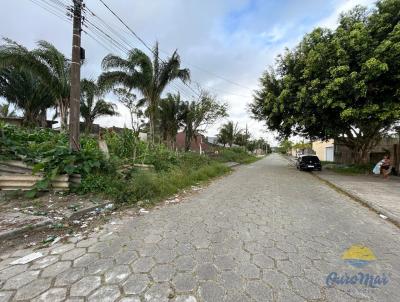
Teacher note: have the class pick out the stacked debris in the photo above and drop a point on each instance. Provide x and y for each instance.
(16, 175)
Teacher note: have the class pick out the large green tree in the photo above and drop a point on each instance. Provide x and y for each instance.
(92, 104)
(201, 113)
(47, 64)
(149, 76)
(341, 84)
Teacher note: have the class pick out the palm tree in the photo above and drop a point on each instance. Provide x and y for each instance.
(5, 111)
(92, 106)
(139, 72)
(171, 118)
(28, 93)
(228, 133)
(48, 64)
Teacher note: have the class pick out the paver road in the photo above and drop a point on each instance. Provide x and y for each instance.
(265, 233)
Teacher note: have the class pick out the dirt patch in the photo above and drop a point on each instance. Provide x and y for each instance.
(59, 208)
(52, 216)
(53, 205)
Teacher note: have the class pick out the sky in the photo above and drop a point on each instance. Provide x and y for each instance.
(226, 44)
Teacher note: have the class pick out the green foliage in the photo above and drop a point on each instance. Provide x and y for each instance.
(302, 145)
(340, 84)
(92, 105)
(228, 133)
(124, 144)
(172, 114)
(201, 113)
(146, 186)
(45, 67)
(48, 152)
(260, 143)
(23, 89)
(285, 146)
(150, 77)
(161, 157)
(351, 169)
(6, 111)
(127, 147)
(235, 154)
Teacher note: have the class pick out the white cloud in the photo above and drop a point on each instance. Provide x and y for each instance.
(332, 20)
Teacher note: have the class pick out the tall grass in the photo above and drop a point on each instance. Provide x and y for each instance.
(148, 186)
(237, 155)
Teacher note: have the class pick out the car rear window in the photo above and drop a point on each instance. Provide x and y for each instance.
(310, 158)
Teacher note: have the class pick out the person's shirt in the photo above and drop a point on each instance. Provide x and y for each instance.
(386, 162)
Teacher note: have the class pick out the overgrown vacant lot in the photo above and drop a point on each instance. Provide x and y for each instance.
(120, 177)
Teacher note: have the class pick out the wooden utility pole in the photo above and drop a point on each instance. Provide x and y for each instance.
(75, 92)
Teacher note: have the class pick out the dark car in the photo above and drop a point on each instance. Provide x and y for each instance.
(308, 162)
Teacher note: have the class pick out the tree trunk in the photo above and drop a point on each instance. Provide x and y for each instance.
(361, 155)
(31, 119)
(188, 140)
(360, 147)
(132, 123)
(63, 114)
(43, 118)
(151, 124)
(88, 124)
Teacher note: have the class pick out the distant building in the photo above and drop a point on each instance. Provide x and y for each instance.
(18, 121)
(199, 143)
(324, 150)
(339, 153)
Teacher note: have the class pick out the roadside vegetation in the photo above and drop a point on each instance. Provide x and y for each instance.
(235, 154)
(350, 169)
(135, 170)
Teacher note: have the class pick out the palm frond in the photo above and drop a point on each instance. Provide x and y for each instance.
(115, 62)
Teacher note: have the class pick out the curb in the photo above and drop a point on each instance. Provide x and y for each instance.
(80, 213)
(231, 164)
(377, 209)
(36, 226)
(373, 207)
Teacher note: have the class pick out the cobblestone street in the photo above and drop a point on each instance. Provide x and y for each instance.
(267, 232)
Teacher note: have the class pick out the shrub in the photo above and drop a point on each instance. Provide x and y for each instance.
(236, 154)
(149, 186)
(47, 150)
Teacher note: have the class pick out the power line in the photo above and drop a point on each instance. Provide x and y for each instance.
(213, 74)
(51, 9)
(217, 76)
(63, 15)
(152, 51)
(113, 41)
(176, 85)
(127, 27)
(104, 36)
(111, 31)
(145, 44)
(110, 28)
(140, 39)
